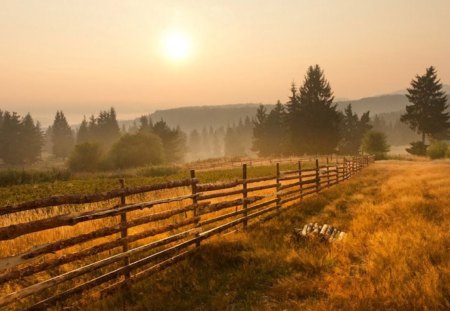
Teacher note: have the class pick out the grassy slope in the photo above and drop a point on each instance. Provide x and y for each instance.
(395, 257)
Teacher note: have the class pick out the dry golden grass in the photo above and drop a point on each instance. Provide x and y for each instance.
(396, 255)
(27, 242)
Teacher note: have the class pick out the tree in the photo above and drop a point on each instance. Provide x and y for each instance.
(133, 150)
(313, 118)
(85, 157)
(375, 143)
(352, 131)
(427, 113)
(62, 136)
(173, 140)
(31, 140)
(10, 138)
(260, 132)
(195, 144)
(83, 134)
(269, 131)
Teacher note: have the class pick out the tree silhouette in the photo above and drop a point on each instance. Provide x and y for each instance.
(313, 118)
(427, 113)
(62, 136)
(352, 131)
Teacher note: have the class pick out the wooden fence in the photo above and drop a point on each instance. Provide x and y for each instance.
(97, 243)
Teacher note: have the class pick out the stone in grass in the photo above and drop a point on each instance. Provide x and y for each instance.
(324, 233)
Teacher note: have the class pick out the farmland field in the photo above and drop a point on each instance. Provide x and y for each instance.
(396, 255)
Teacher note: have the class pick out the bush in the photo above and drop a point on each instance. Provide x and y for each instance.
(134, 150)
(417, 148)
(85, 157)
(158, 171)
(375, 143)
(437, 150)
(12, 177)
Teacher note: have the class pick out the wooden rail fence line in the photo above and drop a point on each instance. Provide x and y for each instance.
(44, 275)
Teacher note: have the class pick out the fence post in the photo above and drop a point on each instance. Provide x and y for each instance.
(317, 176)
(278, 187)
(328, 174)
(244, 192)
(337, 170)
(300, 179)
(124, 230)
(194, 199)
(353, 166)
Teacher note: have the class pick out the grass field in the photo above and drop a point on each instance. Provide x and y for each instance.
(396, 255)
(91, 184)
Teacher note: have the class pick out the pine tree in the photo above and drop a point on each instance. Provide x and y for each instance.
(62, 136)
(314, 126)
(83, 134)
(260, 132)
(10, 138)
(173, 140)
(352, 131)
(427, 113)
(30, 139)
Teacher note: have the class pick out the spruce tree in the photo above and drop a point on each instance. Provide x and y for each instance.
(314, 126)
(427, 114)
(83, 134)
(260, 132)
(10, 144)
(31, 140)
(62, 136)
(352, 131)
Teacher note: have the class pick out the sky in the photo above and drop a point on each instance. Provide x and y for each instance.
(82, 56)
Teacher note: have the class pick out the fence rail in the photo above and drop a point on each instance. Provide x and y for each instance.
(110, 246)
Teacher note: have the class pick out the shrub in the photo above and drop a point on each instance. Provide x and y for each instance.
(417, 148)
(133, 150)
(437, 150)
(158, 171)
(12, 177)
(375, 143)
(85, 157)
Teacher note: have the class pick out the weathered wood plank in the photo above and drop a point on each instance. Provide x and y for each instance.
(13, 231)
(91, 198)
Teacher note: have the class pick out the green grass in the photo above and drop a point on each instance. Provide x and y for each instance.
(98, 182)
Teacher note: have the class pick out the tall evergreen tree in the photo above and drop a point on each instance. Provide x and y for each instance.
(269, 131)
(352, 131)
(173, 140)
(315, 127)
(427, 113)
(31, 140)
(260, 132)
(62, 136)
(83, 134)
(10, 138)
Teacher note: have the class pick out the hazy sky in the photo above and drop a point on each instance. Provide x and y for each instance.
(86, 55)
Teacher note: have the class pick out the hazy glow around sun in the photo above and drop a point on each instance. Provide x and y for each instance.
(177, 46)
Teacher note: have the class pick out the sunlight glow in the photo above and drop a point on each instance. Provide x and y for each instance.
(177, 46)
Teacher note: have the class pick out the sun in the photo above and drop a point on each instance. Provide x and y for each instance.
(177, 46)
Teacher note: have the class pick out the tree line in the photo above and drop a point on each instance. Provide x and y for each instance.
(309, 123)
(21, 138)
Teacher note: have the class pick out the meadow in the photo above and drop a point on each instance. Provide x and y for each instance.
(396, 255)
(63, 260)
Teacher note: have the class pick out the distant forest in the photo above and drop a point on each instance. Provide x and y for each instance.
(309, 122)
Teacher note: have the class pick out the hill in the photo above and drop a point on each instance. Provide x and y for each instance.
(198, 117)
